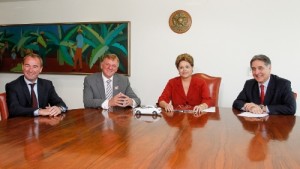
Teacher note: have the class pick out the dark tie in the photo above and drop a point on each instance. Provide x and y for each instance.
(262, 94)
(33, 97)
(108, 89)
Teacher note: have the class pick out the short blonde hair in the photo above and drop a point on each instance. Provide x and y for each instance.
(110, 56)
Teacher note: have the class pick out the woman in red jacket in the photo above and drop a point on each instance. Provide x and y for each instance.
(185, 91)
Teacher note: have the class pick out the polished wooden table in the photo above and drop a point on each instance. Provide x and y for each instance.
(91, 138)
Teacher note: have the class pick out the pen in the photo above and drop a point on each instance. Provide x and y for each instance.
(184, 111)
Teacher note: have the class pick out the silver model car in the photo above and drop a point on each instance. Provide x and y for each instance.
(147, 110)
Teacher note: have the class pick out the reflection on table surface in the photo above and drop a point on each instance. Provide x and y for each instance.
(264, 130)
(95, 138)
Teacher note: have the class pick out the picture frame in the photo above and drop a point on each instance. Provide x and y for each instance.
(60, 45)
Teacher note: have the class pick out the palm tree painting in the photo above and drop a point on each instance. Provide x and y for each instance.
(59, 44)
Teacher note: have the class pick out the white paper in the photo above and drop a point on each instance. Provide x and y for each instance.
(210, 110)
(248, 114)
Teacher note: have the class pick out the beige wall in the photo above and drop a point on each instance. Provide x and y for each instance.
(223, 37)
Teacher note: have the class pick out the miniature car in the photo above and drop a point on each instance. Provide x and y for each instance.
(147, 110)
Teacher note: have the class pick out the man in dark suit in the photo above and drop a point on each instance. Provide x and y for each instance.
(266, 93)
(20, 92)
(108, 89)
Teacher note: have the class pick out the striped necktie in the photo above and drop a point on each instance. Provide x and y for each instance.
(108, 89)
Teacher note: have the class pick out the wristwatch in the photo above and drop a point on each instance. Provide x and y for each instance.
(62, 109)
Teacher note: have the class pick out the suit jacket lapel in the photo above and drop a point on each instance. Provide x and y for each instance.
(179, 88)
(25, 89)
(100, 87)
(41, 99)
(116, 84)
(256, 93)
(192, 87)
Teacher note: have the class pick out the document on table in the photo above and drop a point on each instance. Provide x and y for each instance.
(248, 114)
(208, 110)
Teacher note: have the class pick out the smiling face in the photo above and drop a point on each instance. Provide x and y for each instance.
(109, 67)
(185, 69)
(260, 71)
(32, 67)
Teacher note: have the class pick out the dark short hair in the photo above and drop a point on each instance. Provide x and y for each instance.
(110, 56)
(184, 57)
(33, 55)
(260, 57)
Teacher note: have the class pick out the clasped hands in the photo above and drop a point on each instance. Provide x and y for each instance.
(120, 100)
(52, 121)
(253, 108)
(50, 111)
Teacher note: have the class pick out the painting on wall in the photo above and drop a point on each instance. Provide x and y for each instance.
(66, 48)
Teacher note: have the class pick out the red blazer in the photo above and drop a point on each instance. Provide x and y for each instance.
(198, 93)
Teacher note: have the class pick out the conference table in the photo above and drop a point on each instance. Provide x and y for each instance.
(96, 138)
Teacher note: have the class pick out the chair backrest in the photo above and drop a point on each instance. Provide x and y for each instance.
(213, 84)
(3, 106)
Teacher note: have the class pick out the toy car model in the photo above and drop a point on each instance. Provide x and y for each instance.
(148, 118)
(147, 110)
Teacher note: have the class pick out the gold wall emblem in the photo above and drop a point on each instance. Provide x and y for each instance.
(180, 21)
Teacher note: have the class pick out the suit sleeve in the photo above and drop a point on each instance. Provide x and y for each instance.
(16, 102)
(54, 99)
(205, 96)
(285, 97)
(241, 99)
(166, 94)
(130, 93)
(89, 100)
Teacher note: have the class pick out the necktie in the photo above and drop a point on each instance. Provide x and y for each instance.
(262, 94)
(33, 97)
(108, 89)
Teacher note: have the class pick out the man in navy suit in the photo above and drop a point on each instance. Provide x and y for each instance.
(19, 92)
(108, 89)
(274, 97)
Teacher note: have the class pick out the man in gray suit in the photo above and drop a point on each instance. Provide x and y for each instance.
(107, 88)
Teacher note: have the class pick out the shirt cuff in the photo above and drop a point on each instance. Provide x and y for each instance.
(105, 104)
(267, 110)
(63, 109)
(36, 112)
(133, 103)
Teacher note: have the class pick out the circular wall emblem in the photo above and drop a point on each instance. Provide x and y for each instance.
(180, 21)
